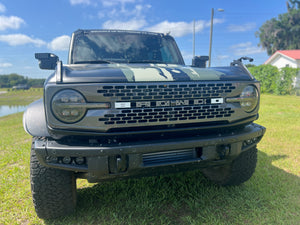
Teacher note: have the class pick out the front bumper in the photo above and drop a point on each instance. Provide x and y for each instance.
(97, 162)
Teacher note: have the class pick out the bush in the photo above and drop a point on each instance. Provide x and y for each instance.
(284, 85)
(274, 80)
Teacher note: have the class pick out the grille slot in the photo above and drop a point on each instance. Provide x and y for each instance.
(151, 159)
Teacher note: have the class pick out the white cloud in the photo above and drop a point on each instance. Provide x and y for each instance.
(5, 65)
(125, 25)
(20, 39)
(123, 10)
(60, 43)
(109, 3)
(246, 48)
(2, 8)
(105, 3)
(241, 28)
(12, 22)
(80, 2)
(179, 29)
(138, 11)
(57, 44)
(176, 29)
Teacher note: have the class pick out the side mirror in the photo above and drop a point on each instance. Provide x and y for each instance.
(200, 61)
(47, 61)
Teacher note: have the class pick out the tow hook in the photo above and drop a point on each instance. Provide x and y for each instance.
(118, 164)
(223, 151)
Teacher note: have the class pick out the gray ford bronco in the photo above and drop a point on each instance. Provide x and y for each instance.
(126, 105)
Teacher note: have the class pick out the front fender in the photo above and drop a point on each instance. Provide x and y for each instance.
(34, 120)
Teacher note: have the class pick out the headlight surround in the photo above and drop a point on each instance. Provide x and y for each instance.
(66, 105)
(249, 98)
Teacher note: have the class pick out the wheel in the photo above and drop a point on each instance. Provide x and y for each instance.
(53, 190)
(239, 171)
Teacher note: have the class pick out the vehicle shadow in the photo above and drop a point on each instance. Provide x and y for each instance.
(188, 198)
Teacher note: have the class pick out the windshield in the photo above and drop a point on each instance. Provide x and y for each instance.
(124, 47)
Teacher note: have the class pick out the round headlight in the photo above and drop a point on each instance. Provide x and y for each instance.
(249, 98)
(67, 106)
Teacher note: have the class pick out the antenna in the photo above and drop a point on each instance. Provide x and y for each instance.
(194, 39)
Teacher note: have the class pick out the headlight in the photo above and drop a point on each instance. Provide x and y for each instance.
(67, 107)
(249, 98)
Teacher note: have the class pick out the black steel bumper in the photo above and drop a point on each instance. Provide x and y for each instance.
(95, 162)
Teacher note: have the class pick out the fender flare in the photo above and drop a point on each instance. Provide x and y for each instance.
(34, 120)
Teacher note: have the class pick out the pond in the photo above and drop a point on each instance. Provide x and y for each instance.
(10, 109)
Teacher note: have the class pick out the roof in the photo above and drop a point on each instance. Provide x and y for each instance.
(292, 54)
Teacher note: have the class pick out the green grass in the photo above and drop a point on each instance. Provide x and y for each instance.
(20, 97)
(271, 196)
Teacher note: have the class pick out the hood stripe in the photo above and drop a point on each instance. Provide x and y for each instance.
(178, 75)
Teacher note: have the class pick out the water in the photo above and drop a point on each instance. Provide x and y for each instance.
(7, 110)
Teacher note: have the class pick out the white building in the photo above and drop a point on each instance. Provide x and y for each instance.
(286, 58)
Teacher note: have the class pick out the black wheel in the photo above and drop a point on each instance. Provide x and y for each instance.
(239, 171)
(53, 190)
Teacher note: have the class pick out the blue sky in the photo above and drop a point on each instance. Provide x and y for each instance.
(30, 26)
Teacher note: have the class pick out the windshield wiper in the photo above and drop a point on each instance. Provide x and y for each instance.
(146, 61)
(93, 62)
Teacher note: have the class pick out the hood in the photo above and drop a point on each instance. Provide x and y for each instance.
(116, 73)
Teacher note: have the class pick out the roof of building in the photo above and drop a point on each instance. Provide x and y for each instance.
(293, 54)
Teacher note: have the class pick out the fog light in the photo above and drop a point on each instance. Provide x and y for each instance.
(79, 160)
(67, 160)
(51, 159)
(249, 142)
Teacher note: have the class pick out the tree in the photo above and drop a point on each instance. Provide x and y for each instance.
(11, 80)
(8, 81)
(282, 33)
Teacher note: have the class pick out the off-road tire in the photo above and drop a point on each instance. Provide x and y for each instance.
(53, 191)
(236, 173)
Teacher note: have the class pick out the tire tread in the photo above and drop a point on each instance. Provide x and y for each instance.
(53, 190)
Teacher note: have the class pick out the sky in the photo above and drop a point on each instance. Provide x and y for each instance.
(30, 26)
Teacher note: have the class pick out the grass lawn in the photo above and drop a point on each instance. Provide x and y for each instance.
(271, 196)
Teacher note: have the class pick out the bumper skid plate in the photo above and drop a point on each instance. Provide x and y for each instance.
(98, 163)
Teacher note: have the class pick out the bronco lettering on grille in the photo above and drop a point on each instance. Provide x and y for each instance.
(168, 103)
(172, 103)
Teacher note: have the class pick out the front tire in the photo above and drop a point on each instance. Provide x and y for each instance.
(53, 190)
(236, 173)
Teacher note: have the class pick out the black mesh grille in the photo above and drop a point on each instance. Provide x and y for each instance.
(170, 91)
(148, 115)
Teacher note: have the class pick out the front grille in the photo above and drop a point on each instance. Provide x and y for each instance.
(166, 103)
(170, 114)
(168, 91)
